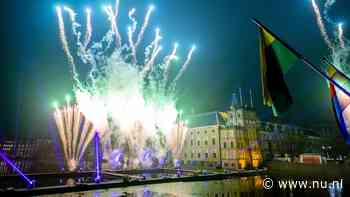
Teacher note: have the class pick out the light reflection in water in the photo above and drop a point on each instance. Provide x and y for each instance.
(236, 187)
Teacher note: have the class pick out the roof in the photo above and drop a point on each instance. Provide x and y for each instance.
(208, 119)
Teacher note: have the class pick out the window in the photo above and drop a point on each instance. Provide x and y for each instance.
(191, 142)
(191, 155)
(213, 130)
(213, 141)
(232, 144)
(185, 155)
(198, 143)
(206, 155)
(214, 155)
(224, 144)
(206, 142)
(205, 131)
(199, 155)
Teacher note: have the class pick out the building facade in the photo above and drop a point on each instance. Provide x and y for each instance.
(223, 139)
(238, 139)
(29, 156)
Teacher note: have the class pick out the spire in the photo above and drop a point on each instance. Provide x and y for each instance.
(251, 98)
(241, 96)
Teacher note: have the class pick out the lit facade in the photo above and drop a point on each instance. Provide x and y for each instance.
(223, 139)
(238, 139)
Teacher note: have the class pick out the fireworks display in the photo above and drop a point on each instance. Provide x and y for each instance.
(339, 45)
(129, 102)
(75, 133)
(321, 25)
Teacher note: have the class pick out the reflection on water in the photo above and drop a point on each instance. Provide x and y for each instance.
(237, 187)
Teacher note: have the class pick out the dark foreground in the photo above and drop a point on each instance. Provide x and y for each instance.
(52, 183)
(167, 182)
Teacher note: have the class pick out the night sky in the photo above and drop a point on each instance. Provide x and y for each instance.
(35, 71)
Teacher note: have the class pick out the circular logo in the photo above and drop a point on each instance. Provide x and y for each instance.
(267, 183)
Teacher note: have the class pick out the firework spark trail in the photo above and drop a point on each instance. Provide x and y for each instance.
(61, 131)
(321, 25)
(144, 26)
(117, 83)
(131, 31)
(328, 4)
(83, 52)
(167, 61)
(73, 126)
(72, 16)
(339, 51)
(133, 19)
(156, 41)
(88, 32)
(84, 132)
(75, 26)
(77, 119)
(341, 35)
(185, 65)
(88, 139)
(152, 59)
(111, 17)
(118, 38)
(153, 47)
(65, 43)
(171, 57)
(67, 119)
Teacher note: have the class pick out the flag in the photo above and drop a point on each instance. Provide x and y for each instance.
(276, 58)
(340, 100)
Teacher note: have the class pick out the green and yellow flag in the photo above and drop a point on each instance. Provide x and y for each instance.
(276, 59)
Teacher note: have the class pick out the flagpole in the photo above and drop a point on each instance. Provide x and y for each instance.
(302, 58)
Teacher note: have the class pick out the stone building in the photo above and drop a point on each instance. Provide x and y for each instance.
(238, 139)
(31, 155)
(223, 139)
